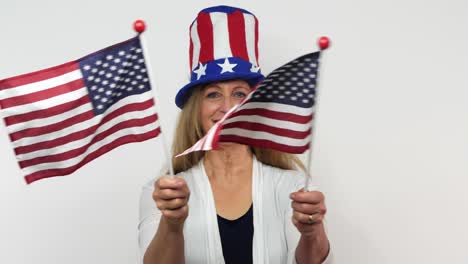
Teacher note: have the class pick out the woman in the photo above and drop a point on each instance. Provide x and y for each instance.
(237, 204)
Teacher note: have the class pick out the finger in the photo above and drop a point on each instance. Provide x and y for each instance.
(313, 197)
(168, 194)
(294, 220)
(177, 213)
(307, 208)
(170, 183)
(184, 187)
(307, 218)
(171, 204)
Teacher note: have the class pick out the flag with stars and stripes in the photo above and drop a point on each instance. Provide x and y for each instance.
(277, 114)
(61, 118)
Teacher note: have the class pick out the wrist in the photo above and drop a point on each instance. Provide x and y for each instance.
(313, 234)
(172, 227)
(314, 246)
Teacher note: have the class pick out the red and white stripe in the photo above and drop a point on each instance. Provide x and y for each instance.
(270, 125)
(219, 35)
(53, 128)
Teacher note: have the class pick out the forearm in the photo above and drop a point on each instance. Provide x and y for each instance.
(167, 246)
(313, 248)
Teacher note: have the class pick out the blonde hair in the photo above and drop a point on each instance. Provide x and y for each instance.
(189, 131)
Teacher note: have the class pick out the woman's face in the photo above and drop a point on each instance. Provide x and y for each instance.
(218, 98)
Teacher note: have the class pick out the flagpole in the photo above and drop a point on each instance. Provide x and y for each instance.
(324, 43)
(139, 26)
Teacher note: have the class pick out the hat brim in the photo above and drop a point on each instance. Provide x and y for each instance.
(252, 79)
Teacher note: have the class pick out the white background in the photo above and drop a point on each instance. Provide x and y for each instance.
(391, 142)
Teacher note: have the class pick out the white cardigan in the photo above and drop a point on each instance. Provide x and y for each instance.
(275, 237)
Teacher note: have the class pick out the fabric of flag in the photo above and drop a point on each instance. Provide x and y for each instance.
(61, 118)
(277, 114)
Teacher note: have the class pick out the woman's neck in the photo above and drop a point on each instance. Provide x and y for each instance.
(231, 163)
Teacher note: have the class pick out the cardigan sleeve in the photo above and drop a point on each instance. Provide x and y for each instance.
(149, 218)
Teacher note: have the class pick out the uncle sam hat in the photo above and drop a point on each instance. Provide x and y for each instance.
(223, 46)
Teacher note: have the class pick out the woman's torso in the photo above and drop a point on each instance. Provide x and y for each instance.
(270, 204)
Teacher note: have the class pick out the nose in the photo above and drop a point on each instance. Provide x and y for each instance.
(228, 103)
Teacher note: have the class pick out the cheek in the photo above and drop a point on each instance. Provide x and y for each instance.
(207, 111)
(239, 100)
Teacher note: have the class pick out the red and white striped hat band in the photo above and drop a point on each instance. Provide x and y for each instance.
(223, 46)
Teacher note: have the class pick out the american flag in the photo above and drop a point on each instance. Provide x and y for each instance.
(277, 114)
(61, 118)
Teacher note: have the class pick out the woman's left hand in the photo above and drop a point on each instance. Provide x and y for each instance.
(308, 211)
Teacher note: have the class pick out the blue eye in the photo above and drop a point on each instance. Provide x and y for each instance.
(212, 95)
(240, 94)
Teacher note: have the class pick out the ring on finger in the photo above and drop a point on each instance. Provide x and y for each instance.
(310, 219)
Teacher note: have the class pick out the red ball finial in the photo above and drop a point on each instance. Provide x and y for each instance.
(324, 42)
(139, 26)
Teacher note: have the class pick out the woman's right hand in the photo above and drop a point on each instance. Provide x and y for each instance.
(171, 196)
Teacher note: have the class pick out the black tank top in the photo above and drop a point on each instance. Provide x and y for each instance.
(236, 238)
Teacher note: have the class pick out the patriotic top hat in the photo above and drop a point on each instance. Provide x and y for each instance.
(223, 46)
